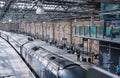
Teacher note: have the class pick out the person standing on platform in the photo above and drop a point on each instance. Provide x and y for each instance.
(78, 55)
(111, 31)
(118, 70)
(36, 36)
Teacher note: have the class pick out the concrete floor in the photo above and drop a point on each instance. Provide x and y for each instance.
(11, 65)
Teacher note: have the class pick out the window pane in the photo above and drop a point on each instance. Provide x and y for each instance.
(93, 31)
(77, 30)
(86, 30)
(81, 31)
(100, 31)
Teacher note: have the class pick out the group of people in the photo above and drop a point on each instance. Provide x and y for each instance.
(78, 51)
(78, 59)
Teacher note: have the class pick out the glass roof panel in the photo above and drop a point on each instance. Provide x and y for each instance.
(52, 7)
(23, 5)
(2, 3)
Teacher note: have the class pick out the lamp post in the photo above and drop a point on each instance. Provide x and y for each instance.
(10, 23)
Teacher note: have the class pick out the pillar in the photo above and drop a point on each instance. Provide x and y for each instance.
(92, 19)
(71, 33)
(42, 31)
(53, 30)
(91, 23)
(46, 31)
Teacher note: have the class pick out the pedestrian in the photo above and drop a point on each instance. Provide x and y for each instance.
(55, 42)
(118, 70)
(36, 36)
(64, 45)
(50, 41)
(111, 31)
(78, 55)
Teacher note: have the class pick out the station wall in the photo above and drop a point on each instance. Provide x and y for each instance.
(1, 26)
(57, 29)
(9, 26)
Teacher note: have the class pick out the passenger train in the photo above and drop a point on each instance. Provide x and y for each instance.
(50, 65)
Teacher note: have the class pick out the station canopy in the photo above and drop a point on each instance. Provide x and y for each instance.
(47, 10)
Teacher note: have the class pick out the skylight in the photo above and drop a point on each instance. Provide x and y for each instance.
(2, 3)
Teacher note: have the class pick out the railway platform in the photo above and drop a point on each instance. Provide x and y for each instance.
(18, 40)
(51, 48)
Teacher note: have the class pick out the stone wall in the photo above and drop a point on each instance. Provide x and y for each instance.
(58, 29)
(9, 26)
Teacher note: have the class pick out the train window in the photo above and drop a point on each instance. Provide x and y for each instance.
(64, 74)
(52, 58)
(72, 72)
(35, 48)
(49, 74)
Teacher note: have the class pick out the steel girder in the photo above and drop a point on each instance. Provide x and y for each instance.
(105, 1)
(55, 9)
(5, 8)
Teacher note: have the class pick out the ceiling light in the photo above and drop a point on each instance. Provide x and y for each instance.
(44, 22)
(75, 20)
(40, 10)
(10, 20)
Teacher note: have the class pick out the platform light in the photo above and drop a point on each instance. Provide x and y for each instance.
(44, 22)
(75, 20)
(9, 20)
(40, 10)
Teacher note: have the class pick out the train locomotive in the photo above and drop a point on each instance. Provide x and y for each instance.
(49, 65)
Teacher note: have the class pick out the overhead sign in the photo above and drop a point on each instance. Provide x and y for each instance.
(80, 45)
(64, 39)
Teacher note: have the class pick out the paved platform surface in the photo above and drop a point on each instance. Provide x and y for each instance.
(11, 65)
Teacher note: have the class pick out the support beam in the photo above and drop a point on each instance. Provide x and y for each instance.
(42, 31)
(53, 30)
(71, 33)
(6, 8)
(105, 1)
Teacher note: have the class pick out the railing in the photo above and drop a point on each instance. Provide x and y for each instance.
(97, 32)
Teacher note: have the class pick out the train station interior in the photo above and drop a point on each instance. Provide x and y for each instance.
(59, 38)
